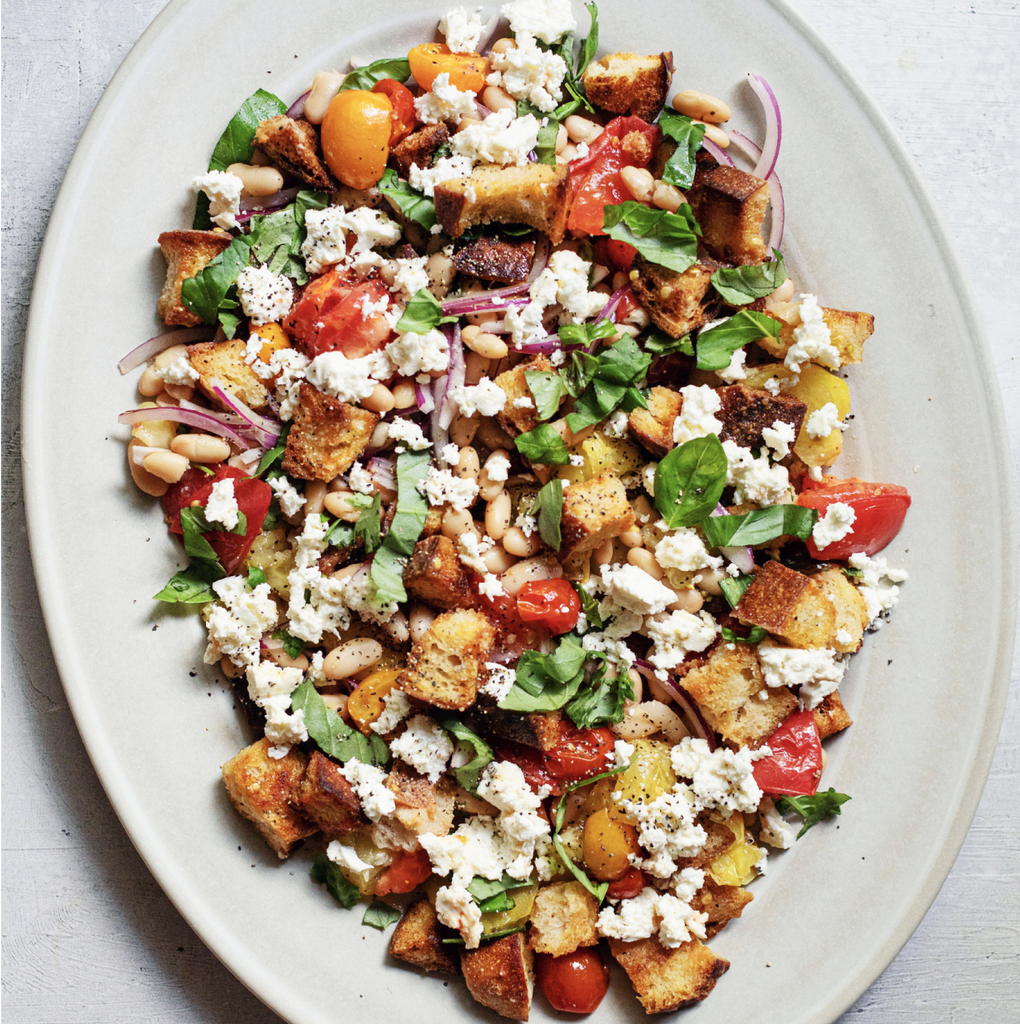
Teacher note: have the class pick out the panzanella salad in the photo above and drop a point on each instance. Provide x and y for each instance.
(498, 438)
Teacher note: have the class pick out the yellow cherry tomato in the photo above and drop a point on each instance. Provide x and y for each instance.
(273, 339)
(366, 703)
(466, 70)
(356, 137)
(608, 845)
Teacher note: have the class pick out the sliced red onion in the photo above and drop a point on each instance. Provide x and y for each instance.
(720, 155)
(409, 252)
(484, 302)
(265, 430)
(226, 418)
(773, 126)
(778, 200)
(440, 435)
(382, 472)
(609, 310)
(204, 421)
(423, 398)
(741, 557)
(455, 375)
(297, 108)
(692, 714)
(489, 35)
(552, 343)
(148, 349)
(266, 204)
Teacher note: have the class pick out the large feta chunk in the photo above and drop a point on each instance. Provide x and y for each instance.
(697, 414)
(878, 587)
(684, 549)
(676, 635)
(369, 783)
(527, 72)
(635, 590)
(812, 340)
(224, 192)
(442, 487)
(444, 102)
(237, 620)
(463, 32)
(348, 380)
(447, 168)
(425, 746)
(837, 523)
(221, 506)
(721, 779)
(413, 353)
(265, 297)
(817, 670)
(482, 399)
(548, 20)
(754, 480)
(502, 138)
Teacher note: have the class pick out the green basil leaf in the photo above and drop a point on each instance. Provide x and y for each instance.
(365, 77)
(546, 682)
(585, 334)
(331, 734)
(852, 574)
(580, 372)
(661, 344)
(591, 44)
(813, 809)
(548, 388)
(603, 702)
(717, 345)
(368, 528)
(194, 524)
(274, 454)
(408, 521)
(237, 143)
(483, 889)
(762, 525)
(388, 575)
(589, 607)
(623, 362)
(291, 644)
(733, 587)
(205, 294)
(740, 286)
(544, 446)
(756, 635)
(549, 508)
(422, 314)
(413, 205)
(256, 577)
(380, 915)
(192, 585)
(680, 167)
(545, 147)
(690, 480)
(467, 775)
(340, 534)
(326, 873)
(598, 401)
(667, 239)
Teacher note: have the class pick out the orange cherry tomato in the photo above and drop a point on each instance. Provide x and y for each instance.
(574, 983)
(466, 70)
(406, 872)
(554, 603)
(627, 886)
(356, 137)
(329, 317)
(402, 117)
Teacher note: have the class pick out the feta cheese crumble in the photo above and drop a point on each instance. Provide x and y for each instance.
(812, 341)
(683, 549)
(720, 778)
(425, 746)
(447, 168)
(822, 422)
(178, 371)
(463, 32)
(779, 437)
(396, 707)
(676, 635)
(265, 297)
(369, 783)
(221, 506)
(816, 670)
(482, 399)
(412, 353)
(348, 380)
(697, 414)
(442, 487)
(224, 192)
(878, 587)
(444, 102)
(548, 20)
(290, 498)
(837, 523)
(502, 138)
(527, 72)
(635, 590)
(237, 620)
(407, 433)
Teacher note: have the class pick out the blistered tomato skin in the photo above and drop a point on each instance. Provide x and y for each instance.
(575, 983)
(402, 99)
(554, 603)
(329, 317)
(356, 137)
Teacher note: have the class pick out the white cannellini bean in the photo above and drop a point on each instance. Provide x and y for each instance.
(351, 657)
(325, 86)
(540, 568)
(419, 619)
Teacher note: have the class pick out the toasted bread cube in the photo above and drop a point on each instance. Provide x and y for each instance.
(519, 419)
(500, 975)
(327, 436)
(436, 575)
(563, 919)
(848, 331)
(674, 301)
(669, 979)
(722, 903)
(626, 83)
(535, 195)
(594, 511)
(267, 791)
(416, 940)
(446, 666)
(421, 807)
(831, 717)
(542, 730)
(419, 148)
(789, 605)
(187, 253)
(222, 362)
(726, 689)
(293, 147)
(730, 204)
(746, 412)
(328, 798)
(652, 428)
(851, 608)
(496, 259)
(719, 838)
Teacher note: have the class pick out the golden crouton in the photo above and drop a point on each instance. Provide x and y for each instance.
(327, 436)
(519, 419)
(496, 259)
(594, 511)
(541, 729)
(416, 940)
(675, 302)
(831, 717)
(851, 608)
(328, 798)
(746, 412)
(447, 663)
(669, 979)
(626, 83)
(293, 147)
(436, 575)
(653, 427)
(500, 975)
(719, 838)
(848, 331)
(535, 194)
(729, 205)
(563, 919)
(186, 253)
(419, 148)
(222, 362)
(722, 903)
(726, 690)
(421, 807)
(267, 791)
(789, 605)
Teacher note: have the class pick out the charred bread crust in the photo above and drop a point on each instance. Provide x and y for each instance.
(669, 979)
(729, 205)
(328, 798)
(512, 418)
(293, 147)
(788, 605)
(594, 511)
(223, 362)
(495, 259)
(746, 412)
(831, 716)
(419, 148)
(436, 575)
(500, 975)
(628, 83)
(652, 428)
(416, 940)
(675, 302)
(541, 730)
(187, 253)
(722, 903)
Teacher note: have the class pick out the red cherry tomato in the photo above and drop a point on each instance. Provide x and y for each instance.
(627, 886)
(405, 873)
(329, 317)
(402, 118)
(554, 603)
(575, 983)
(795, 764)
(252, 496)
(532, 763)
(879, 511)
(595, 179)
(579, 753)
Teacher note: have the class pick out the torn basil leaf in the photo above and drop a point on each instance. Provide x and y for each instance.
(689, 481)
(813, 809)
(544, 446)
(548, 389)
(549, 509)
(467, 775)
(667, 239)
(680, 167)
(717, 345)
(192, 585)
(331, 734)
(601, 703)
(326, 873)
(387, 572)
(380, 915)
(740, 286)
(733, 587)
(256, 577)
(422, 314)
(760, 526)
(368, 527)
(365, 77)
(756, 635)
(413, 205)
(293, 645)
(661, 344)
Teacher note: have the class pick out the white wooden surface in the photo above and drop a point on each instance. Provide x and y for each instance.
(88, 936)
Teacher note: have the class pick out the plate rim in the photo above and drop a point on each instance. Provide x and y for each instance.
(75, 683)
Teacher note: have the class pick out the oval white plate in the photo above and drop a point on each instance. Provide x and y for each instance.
(927, 692)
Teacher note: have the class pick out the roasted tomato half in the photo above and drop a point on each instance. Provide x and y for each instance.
(330, 317)
(574, 983)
